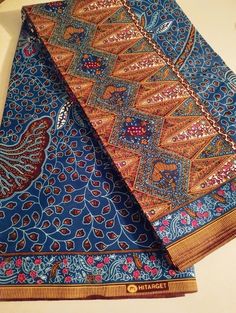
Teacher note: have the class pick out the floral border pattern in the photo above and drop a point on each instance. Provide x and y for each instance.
(87, 269)
(197, 214)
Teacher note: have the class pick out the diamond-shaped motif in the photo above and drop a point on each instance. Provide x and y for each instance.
(164, 175)
(92, 64)
(136, 131)
(72, 34)
(54, 8)
(113, 94)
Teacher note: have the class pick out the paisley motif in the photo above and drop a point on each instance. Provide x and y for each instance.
(21, 163)
(108, 114)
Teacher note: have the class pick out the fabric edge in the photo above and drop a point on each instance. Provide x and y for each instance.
(191, 249)
(119, 291)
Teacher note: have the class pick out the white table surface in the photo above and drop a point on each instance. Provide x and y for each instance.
(216, 274)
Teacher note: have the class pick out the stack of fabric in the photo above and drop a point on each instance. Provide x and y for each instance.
(117, 153)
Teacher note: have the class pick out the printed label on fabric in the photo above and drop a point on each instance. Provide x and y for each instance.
(134, 288)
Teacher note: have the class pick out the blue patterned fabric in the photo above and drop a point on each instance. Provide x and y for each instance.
(197, 214)
(76, 222)
(208, 75)
(116, 152)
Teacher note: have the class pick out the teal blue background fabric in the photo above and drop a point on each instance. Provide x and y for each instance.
(213, 81)
(76, 222)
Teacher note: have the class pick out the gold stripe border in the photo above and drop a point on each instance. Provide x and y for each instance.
(104, 252)
(194, 247)
(104, 291)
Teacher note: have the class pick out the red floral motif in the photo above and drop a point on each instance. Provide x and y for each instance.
(106, 260)
(68, 279)
(172, 272)
(21, 278)
(147, 268)
(154, 271)
(90, 260)
(199, 214)
(18, 263)
(98, 278)
(153, 258)
(125, 267)
(65, 271)
(9, 272)
(166, 240)
(2, 264)
(29, 50)
(100, 265)
(202, 215)
(129, 259)
(205, 214)
(37, 261)
(33, 274)
(194, 223)
(136, 274)
(199, 204)
(166, 223)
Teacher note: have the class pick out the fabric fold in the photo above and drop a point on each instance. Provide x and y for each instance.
(69, 227)
(161, 102)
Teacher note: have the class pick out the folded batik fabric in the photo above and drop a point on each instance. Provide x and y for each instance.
(162, 103)
(115, 109)
(69, 227)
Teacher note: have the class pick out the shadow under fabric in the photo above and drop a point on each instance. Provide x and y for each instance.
(101, 86)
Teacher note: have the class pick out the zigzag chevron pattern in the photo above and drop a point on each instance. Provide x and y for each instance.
(154, 131)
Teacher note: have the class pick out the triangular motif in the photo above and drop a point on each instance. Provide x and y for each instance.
(95, 12)
(115, 38)
(140, 46)
(201, 169)
(187, 149)
(46, 25)
(153, 206)
(120, 16)
(126, 162)
(80, 87)
(158, 99)
(217, 147)
(137, 66)
(61, 56)
(173, 126)
(101, 121)
(187, 108)
(164, 74)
